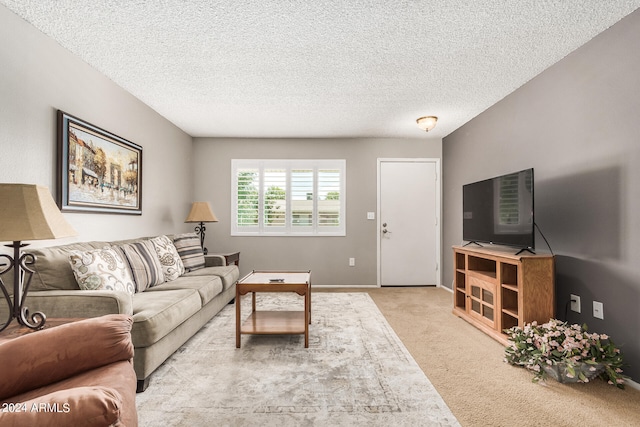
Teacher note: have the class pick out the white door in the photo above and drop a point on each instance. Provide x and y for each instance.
(408, 222)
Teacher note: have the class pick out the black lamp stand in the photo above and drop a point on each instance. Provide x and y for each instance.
(200, 229)
(17, 310)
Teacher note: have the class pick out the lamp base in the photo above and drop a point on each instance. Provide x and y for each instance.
(200, 229)
(20, 271)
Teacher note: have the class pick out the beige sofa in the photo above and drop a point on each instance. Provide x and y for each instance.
(165, 315)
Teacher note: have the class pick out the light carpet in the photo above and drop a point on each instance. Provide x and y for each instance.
(356, 371)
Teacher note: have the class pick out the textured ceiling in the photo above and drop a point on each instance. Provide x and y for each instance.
(343, 68)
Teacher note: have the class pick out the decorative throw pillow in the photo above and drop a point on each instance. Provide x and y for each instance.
(144, 263)
(101, 269)
(190, 251)
(172, 266)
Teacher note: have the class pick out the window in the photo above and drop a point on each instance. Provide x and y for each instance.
(288, 197)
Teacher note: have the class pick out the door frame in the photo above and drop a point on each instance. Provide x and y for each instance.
(438, 209)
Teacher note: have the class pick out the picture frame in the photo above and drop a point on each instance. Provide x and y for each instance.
(98, 172)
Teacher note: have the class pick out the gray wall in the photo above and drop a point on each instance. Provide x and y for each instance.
(327, 257)
(37, 77)
(577, 124)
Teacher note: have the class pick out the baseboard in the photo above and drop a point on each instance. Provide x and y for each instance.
(345, 286)
(632, 384)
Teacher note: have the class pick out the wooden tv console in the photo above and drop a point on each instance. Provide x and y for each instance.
(494, 289)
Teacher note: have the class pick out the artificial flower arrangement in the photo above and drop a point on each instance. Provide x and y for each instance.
(566, 352)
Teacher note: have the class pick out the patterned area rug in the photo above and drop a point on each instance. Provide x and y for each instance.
(355, 372)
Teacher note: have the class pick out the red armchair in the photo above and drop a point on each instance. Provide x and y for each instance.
(79, 373)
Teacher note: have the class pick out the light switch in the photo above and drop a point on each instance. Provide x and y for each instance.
(598, 310)
(371, 215)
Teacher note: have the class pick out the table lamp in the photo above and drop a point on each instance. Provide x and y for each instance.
(27, 212)
(201, 212)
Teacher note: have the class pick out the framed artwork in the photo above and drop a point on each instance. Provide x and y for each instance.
(97, 170)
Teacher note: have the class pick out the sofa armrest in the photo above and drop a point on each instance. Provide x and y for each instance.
(79, 303)
(214, 261)
(50, 355)
(78, 406)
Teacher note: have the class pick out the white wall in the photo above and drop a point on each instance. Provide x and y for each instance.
(37, 77)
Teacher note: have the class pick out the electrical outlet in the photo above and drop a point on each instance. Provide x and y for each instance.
(352, 262)
(598, 310)
(575, 303)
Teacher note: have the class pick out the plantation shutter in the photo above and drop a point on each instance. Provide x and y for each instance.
(247, 197)
(275, 197)
(288, 197)
(329, 189)
(302, 198)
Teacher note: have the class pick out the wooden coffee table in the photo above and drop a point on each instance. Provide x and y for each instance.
(274, 322)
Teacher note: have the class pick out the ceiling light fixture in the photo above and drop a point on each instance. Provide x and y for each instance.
(427, 123)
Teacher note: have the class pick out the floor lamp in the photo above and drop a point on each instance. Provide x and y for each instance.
(200, 213)
(27, 212)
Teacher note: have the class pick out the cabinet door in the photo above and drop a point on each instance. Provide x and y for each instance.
(481, 304)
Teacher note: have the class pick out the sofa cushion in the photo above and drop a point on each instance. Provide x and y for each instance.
(53, 354)
(155, 314)
(228, 274)
(172, 266)
(78, 406)
(102, 269)
(118, 376)
(52, 268)
(144, 263)
(207, 286)
(190, 251)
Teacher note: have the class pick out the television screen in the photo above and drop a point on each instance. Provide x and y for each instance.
(500, 210)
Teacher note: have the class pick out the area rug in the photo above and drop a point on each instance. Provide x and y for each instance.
(355, 372)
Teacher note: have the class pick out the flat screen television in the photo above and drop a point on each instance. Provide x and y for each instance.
(500, 211)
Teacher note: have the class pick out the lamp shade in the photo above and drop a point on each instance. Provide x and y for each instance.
(201, 212)
(28, 212)
(427, 123)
